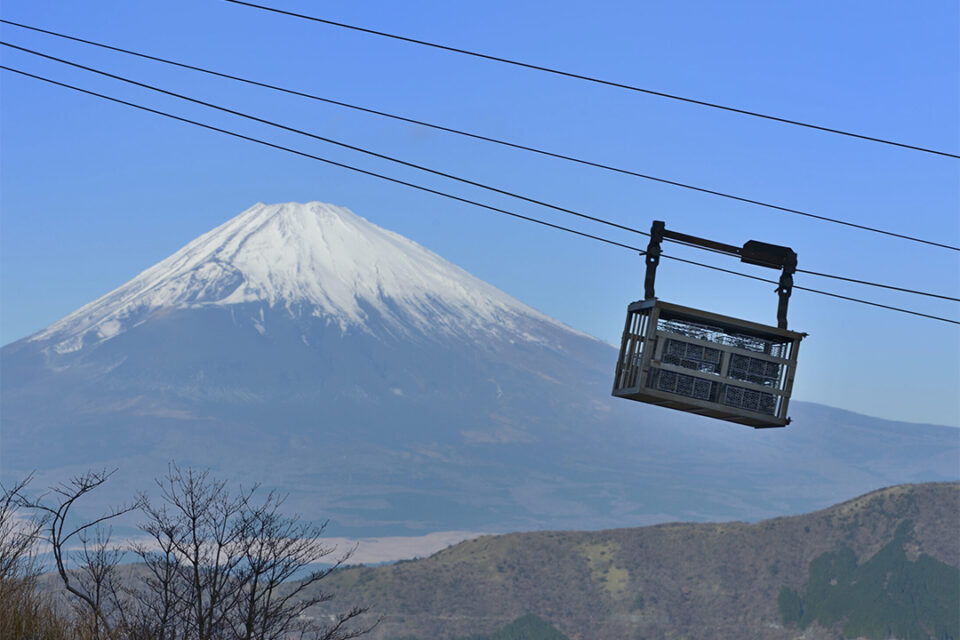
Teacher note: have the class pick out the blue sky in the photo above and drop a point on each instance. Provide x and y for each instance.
(93, 193)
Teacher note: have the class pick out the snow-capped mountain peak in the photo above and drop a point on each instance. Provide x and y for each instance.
(310, 258)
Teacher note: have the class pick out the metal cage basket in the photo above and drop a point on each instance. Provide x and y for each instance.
(705, 363)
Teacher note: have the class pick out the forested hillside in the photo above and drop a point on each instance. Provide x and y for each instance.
(894, 550)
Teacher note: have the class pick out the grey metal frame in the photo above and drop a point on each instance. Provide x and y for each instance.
(641, 364)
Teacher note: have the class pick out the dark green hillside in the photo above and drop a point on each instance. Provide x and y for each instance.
(528, 627)
(683, 580)
(888, 596)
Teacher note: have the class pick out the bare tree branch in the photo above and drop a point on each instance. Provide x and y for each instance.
(97, 562)
(216, 564)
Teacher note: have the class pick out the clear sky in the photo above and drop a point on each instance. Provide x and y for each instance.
(92, 193)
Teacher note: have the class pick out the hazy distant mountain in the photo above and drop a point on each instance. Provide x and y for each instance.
(389, 390)
(884, 565)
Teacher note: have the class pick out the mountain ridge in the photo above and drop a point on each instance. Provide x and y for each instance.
(693, 580)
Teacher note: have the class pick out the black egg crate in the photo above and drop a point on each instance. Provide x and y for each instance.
(705, 363)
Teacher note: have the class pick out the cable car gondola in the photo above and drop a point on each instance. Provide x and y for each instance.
(705, 363)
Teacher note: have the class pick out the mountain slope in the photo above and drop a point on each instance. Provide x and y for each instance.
(317, 258)
(395, 394)
(720, 580)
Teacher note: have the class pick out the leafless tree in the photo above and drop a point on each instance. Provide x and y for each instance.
(92, 585)
(198, 529)
(18, 537)
(225, 566)
(20, 608)
(160, 597)
(278, 548)
(216, 564)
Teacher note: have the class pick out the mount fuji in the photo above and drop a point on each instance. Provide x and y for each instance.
(316, 260)
(304, 347)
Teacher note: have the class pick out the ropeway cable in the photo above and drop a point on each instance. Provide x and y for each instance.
(338, 143)
(506, 143)
(444, 194)
(610, 83)
(413, 165)
(315, 157)
(832, 276)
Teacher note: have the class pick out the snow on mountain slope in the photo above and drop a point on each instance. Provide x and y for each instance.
(310, 258)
